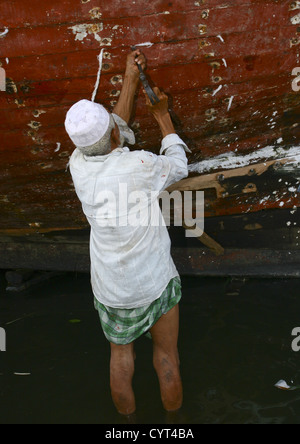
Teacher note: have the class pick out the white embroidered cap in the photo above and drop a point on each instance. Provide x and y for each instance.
(86, 123)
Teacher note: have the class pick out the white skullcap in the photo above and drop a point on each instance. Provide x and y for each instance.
(86, 123)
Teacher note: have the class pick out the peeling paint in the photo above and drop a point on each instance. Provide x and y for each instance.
(294, 41)
(44, 166)
(217, 79)
(113, 103)
(107, 55)
(230, 103)
(215, 65)
(115, 80)
(230, 160)
(217, 90)
(82, 31)
(20, 103)
(64, 154)
(204, 44)
(202, 29)
(146, 45)
(210, 114)
(296, 20)
(205, 14)
(4, 33)
(11, 87)
(115, 93)
(295, 5)
(95, 13)
(36, 113)
(34, 136)
(35, 125)
(106, 41)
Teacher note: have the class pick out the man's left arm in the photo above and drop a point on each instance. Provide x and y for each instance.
(124, 107)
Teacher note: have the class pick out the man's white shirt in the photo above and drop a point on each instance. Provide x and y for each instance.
(131, 262)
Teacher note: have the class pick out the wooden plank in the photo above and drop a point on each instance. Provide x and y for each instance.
(44, 141)
(36, 207)
(14, 14)
(191, 262)
(245, 46)
(65, 65)
(239, 133)
(181, 101)
(173, 81)
(269, 86)
(117, 32)
(183, 104)
(205, 73)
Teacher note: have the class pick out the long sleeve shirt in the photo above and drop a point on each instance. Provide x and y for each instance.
(131, 263)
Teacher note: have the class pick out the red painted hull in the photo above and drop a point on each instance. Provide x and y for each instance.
(206, 54)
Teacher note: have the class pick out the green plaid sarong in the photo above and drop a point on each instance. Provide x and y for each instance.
(122, 326)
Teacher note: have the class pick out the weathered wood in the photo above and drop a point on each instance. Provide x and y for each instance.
(262, 96)
(210, 243)
(256, 244)
(210, 122)
(226, 67)
(14, 14)
(178, 26)
(270, 184)
(210, 49)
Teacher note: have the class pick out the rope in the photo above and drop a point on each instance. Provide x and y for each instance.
(100, 58)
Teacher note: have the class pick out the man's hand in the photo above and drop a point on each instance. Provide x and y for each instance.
(125, 103)
(159, 109)
(160, 112)
(132, 70)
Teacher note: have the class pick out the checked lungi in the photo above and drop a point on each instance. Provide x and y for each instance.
(122, 326)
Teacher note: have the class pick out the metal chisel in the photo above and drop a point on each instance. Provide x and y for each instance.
(151, 94)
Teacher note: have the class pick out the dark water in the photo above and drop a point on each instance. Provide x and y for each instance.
(235, 344)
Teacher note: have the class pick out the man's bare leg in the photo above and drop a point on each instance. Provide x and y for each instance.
(166, 359)
(121, 375)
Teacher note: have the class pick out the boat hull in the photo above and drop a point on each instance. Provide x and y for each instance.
(230, 70)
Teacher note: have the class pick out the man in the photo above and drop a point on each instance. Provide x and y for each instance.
(135, 282)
